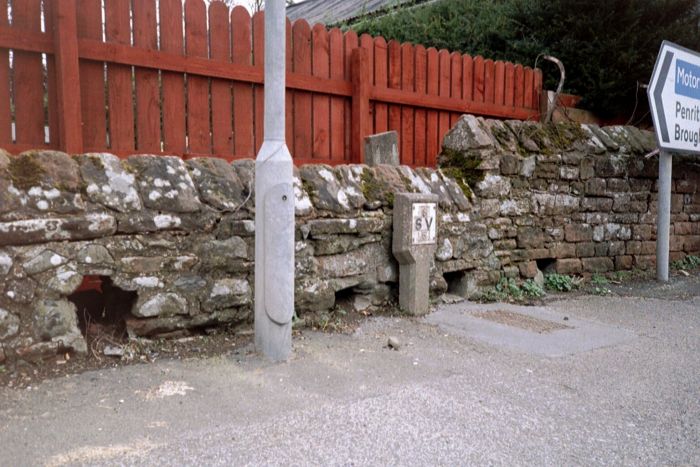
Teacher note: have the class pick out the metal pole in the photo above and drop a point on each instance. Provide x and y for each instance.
(663, 217)
(274, 203)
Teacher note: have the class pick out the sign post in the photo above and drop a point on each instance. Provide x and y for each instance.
(274, 203)
(674, 99)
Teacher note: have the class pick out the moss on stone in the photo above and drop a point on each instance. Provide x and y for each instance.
(550, 136)
(456, 175)
(406, 183)
(463, 167)
(370, 188)
(25, 171)
(390, 196)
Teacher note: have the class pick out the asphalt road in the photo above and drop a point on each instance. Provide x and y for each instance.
(449, 396)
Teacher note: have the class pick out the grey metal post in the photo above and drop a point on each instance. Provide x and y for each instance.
(274, 203)
(663, 216)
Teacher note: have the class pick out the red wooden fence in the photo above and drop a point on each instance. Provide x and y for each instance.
(163, 77)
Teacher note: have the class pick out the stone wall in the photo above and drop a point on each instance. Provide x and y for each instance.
(170, 243)
(568, 198)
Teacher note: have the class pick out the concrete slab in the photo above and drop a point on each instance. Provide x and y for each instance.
(532, 330)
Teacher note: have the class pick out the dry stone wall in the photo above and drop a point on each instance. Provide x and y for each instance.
(169, 243)
(570, 199)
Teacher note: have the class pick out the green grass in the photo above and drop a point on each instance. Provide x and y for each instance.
(560, 282)
(689, 262)
(508, 290)
(599, 285)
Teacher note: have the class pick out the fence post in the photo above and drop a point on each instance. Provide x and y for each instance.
(65, 35)
(361, 117)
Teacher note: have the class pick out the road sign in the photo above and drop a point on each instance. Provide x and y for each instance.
(674, 98)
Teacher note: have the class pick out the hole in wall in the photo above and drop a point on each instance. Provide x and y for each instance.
(546, 265)
(457, 283)
(344, 299)
(103, 309)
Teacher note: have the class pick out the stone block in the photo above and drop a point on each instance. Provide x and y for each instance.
(57, 321)
(382, 148)
(26, 232)
(601, 249)
(677, 201)
(569, 173)
(647, 248)
(578, 233)
(161, 305)
(227, 293)
(313, 294)
(691, 244)
(6, 263)
(624, 263)
(64, 280)
(618, 185)
(468, 133)
(493, 186)
(9, 324)
(528, 269)
(563, 250)
(616, 248)
(530, 237)
(676, 243)
(510, 164)
(568, 266)
(538, 253)
(585, 250)
(597, 204)
(598, 233)
(685, 186)
(43, 261)
(596, 187)
(165, 184)
(645, 262)
(587, 169)
(108, 183)
(643, 232)
(218, 184)
(597, 265)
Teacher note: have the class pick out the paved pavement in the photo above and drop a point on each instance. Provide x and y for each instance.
(455, 393)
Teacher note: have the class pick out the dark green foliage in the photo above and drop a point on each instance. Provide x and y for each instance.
(606, 45)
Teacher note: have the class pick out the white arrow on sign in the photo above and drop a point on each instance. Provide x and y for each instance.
(674, 98)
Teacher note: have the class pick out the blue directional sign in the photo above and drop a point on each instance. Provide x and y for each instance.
(674, 98)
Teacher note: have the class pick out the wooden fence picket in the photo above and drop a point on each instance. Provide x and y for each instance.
(119, 85)
(146, 82)
(243, 112)
(320, 68)
(173, 84)
(221, 105)
(28, 78)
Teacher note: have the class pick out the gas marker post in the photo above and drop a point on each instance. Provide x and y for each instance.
(674, 99)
